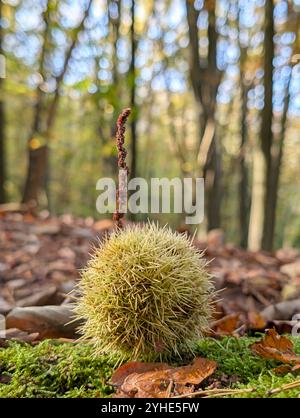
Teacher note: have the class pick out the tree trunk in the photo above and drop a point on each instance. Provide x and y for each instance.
(266, 129)
(34, 182)
(262, 216)
(257, 200)
(244, 199)
(114, 28)
(2, 150)
(36, 175)
(2, 126)
(37, 152)
(212, 175)
(132, 74)
(44, 118)
(276, 159)
(205, 82)
(197, 73)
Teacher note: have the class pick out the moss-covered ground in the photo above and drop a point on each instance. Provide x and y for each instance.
(52, 369)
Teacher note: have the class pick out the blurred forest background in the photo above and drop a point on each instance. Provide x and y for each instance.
(215, 90)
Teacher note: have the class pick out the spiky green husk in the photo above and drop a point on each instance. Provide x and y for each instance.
(145, 294)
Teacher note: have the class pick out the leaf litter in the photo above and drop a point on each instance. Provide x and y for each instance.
(39, 262)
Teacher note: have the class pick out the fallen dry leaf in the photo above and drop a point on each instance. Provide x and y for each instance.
(17, 335)
(287, 255)
(283, 369)
(48, 321)
(226, 325)
(256, 321)
(275, 346)
(47, 296)
(292, 270)
(127, 369)
(194, 373)
(166, 382)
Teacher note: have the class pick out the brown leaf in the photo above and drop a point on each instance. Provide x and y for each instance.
(275, 346)
(5, 306)
(127, 369)
(292, 270)
(45, 228)
(287, 255)
(194, 373)
(296, 368)
(46, 296)
(166, 382)
(283, 369)
(256, 321)
(104, 225)
(48, 321)
(147, 385)
(18, 335)
(227, 325)
(12, 207)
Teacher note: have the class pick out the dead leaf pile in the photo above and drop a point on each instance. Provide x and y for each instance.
(277, 347)
(159, 380)
(40, 257)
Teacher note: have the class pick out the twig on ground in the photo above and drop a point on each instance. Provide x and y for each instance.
(215, 392)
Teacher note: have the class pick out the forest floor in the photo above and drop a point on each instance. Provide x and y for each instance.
(40, 259)
(53, 368)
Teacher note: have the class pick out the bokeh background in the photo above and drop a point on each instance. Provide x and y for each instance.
(215, 90)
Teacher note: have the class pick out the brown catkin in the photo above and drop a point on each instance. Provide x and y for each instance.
(122, 153)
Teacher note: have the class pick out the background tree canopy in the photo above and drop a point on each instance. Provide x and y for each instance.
(215, 90)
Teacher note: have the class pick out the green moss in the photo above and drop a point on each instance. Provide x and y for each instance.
(52, 369)
(235, 358)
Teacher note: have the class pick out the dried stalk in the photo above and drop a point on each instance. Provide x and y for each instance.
(122, 153)
(209, 393)
(292, 385)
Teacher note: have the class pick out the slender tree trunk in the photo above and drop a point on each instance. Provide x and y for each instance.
(266, 129)
(114, 26)
(262, 216)
(36, 174)
(132, 74)
(37, 154)
(244, 198)
(196, 72)
(205, 82)
(2, 148)
(37, 151)
(276, 154)
(44, 119)
(257, 199)
(276, 159)
(212, 175)
(115, 22)
(215, 164)
(2, 125)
